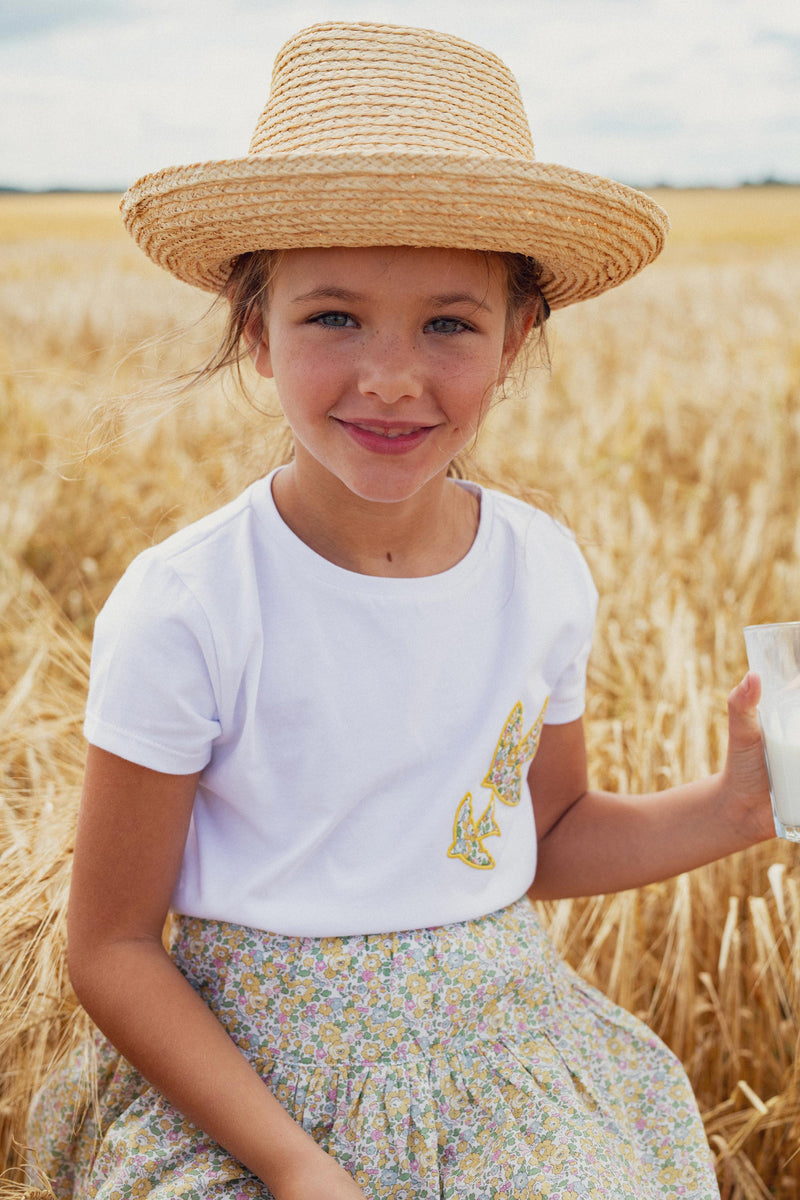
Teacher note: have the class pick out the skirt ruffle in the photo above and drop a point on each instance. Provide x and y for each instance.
(466, 1062)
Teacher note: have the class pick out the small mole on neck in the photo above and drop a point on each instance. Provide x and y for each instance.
(388, 556)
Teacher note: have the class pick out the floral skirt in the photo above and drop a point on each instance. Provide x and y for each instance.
(465, 1062)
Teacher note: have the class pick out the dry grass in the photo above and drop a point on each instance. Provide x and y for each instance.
(669, 434)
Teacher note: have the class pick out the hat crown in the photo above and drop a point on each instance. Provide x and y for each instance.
(380, 135)
(371, 88)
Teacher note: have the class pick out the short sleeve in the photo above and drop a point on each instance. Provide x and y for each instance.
(154, 677)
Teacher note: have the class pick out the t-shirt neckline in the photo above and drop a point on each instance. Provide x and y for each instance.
(323, 570)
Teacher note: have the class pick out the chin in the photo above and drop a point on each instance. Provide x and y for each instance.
(383, 490)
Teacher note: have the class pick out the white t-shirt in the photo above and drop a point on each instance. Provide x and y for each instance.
(364, 741)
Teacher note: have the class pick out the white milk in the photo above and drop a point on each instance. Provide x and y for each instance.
(784, 771)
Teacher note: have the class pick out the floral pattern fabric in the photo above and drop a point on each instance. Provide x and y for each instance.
(466, 1062)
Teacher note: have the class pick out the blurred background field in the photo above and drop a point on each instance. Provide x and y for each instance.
(667, 433)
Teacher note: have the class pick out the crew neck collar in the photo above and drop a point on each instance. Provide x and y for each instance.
(335, 576)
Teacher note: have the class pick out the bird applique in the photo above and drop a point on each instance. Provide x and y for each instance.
(512, 754)
(468, 834)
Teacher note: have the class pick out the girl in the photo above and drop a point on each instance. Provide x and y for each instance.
(336, 725)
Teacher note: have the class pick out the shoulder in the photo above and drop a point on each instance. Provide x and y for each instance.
(214, 533)
(191, 571)
(517, 514)
(539, 540)
(207, 548)
(541, 561)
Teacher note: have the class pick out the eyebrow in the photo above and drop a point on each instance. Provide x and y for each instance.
(331, 292)
(327, 292)
(460, 298)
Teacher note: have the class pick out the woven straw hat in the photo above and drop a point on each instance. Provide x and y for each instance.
(379, 135)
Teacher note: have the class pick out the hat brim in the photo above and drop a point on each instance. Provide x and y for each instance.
(588, 233)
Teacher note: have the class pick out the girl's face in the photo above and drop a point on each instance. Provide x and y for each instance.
(385, 360)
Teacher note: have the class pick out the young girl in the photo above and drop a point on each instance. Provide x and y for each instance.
(336, 725)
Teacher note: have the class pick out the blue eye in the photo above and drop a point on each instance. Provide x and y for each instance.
(333, 320)
(447, 325)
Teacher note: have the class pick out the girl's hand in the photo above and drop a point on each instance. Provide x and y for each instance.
(746, 783)
(317, 1177)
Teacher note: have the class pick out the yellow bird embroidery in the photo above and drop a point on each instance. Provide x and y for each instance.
(512, 753)
(468, 834)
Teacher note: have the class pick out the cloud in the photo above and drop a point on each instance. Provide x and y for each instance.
(29, 18)
(96, 93)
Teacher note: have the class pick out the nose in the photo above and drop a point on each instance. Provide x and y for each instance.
(390, 368)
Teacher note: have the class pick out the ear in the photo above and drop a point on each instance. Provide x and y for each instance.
(257, 343)
(514, 342)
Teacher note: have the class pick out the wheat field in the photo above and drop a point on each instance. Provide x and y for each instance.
(668, 434)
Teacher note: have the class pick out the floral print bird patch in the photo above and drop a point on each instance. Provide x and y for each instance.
(512, 753)
(504, 780)
(468, 835)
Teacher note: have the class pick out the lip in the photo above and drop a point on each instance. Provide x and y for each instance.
(386, 437)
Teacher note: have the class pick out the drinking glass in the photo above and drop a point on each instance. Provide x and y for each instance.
(773, 651)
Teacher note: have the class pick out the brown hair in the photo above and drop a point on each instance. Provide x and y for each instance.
(525, 296)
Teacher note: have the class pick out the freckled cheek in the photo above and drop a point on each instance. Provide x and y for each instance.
(325, 376)
(463, 422)
(308, 389)
(470, 404)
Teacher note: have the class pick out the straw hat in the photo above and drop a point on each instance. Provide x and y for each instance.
(383, 135)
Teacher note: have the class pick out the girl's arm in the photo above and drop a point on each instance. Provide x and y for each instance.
(592, 843)
(131, 834)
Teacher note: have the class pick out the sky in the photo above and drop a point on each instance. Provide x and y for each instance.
(95, 93)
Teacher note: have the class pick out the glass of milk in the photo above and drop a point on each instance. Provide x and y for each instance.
(773, 651)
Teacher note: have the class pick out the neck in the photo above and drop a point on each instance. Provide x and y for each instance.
(423, 535)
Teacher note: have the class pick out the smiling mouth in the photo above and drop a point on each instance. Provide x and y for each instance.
(385, 438)
(390, 432)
